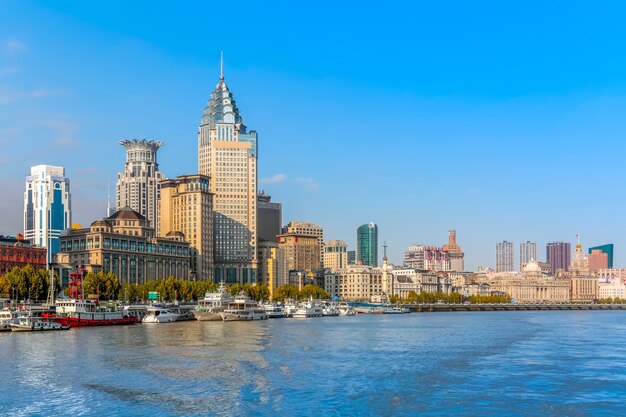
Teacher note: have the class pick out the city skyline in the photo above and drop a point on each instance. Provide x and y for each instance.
(159, 93)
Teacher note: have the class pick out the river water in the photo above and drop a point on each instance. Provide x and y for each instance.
(560, 363)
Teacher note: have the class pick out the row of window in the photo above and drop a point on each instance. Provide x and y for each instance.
(123, 244)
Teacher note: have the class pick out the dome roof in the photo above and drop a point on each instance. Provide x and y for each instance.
(222, 108)
(532, 266)
(126, 213)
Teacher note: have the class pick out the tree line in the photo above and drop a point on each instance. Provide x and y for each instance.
(27, 283)
(452, 298)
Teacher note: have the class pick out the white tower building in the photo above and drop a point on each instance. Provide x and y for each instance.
(47, 207)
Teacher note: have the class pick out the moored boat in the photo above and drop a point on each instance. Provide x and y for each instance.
(274, 311)
(30, 323)
(74, 312)
(157, 314)
(243, 308)
(311, 308)
(209, 308)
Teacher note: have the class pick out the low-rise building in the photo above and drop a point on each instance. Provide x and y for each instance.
(613, 288)
(584, 289)
(532, 286)
(357, 282)
(17, 251)
(127, 246)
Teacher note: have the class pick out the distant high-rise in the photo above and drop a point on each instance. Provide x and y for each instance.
(138, 185)
(504, 257)
(367, 244)
(351, 257)
(335, 255)
(186, 206)
(47, 207)
(598, 260)
(558, 255)
(269, 218)
(608, 249)
(455, 252)
(423, 257)
(527, 253)
(227, 153)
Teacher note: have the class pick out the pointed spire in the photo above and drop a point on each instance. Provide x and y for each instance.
(221, 65)
(385, 250)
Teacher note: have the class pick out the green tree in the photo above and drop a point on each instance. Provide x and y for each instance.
(5, 286)
(38, 285)
(285, 292)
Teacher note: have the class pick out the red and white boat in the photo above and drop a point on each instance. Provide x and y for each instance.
(78, 311)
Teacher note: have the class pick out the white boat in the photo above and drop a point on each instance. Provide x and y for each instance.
(6, 318)
(30, 323)
(274, 311)
(290, 308)
(209, 308)
(311, 308)
(160, 315)
(346, 310)
(243, 308)
(329, 309)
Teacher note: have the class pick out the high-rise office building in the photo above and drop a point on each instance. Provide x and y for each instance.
(335, 255)
(454, 252)
(301, 251)
(608, 249)
(47, 207)
(351, 257)
(367, 244)
(138, 185)
(186, 206)
(558, 255)
(269, 218)
(598, 260)
(308, 229)
(504, 257)
(227, 153)
(527, 253)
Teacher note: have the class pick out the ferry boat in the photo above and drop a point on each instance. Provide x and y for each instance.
(274, 311)
(78, 311)
(157, 314)
(311, 308)
(6, 318)
(209, 308)
(346, 310)
(243, 308)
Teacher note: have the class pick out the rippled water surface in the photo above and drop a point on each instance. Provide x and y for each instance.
(516, 363)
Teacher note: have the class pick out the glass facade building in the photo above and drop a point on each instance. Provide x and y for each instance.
(367, 244)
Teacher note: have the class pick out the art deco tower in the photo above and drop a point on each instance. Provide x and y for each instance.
(138, 185)
(227, 153)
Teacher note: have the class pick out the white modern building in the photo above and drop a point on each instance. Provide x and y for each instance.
(227, 153)
(138, 185)
(47, 207)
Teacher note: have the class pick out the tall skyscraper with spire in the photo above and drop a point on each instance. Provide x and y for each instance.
(227, 153)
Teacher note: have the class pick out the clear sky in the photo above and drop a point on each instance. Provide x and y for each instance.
(503, 120)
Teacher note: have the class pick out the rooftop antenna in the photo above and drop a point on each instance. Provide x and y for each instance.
(222, 65)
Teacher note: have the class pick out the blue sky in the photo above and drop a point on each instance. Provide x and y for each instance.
(503, 121)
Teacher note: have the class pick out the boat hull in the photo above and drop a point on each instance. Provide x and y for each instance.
(207, 316)
(78, 321)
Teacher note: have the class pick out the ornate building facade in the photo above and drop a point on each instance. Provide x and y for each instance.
(138, 185)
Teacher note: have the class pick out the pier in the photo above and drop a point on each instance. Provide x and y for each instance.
(435, 308)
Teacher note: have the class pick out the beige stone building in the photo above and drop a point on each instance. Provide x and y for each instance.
(301, 251)
(308, 229)
(186, 206)
(227, 153)
(532, 286)
(272, 268)
(356, 282)
(335, 255)
(127, 246)
(584, 289)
